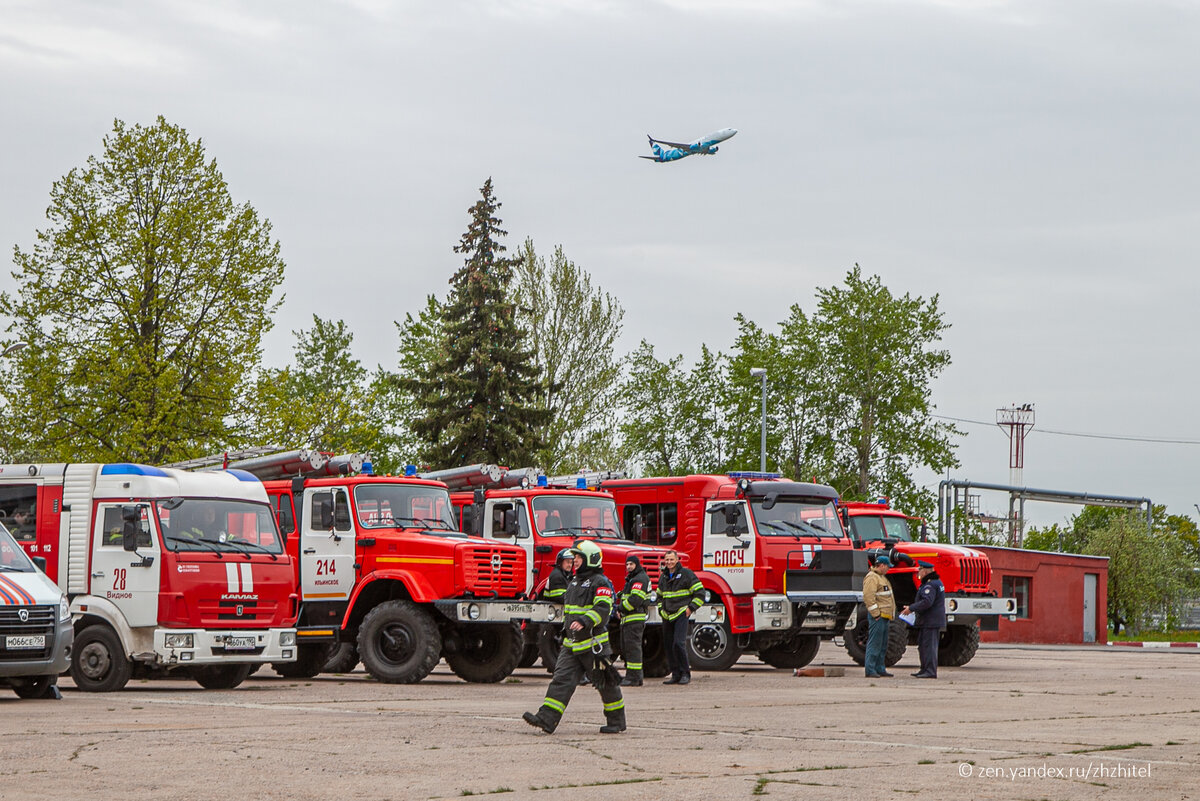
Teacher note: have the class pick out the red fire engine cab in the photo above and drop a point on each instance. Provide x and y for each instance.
(780, 570)
(166, 570)
(381, 568)
(543, 515)
(966, 573)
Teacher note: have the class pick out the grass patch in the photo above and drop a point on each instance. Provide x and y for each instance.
(1117, 747)
(1157, 636)
(925, 762)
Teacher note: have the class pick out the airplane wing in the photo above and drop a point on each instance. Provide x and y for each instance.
(680, 145)
(652, 158)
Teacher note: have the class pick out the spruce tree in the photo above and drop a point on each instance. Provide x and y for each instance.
(480, 391)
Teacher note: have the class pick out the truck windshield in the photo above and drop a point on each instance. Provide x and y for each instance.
(796, 517)
(403, 506)
(576, 516)
(869, 528)
(12, 556)
(215, 524)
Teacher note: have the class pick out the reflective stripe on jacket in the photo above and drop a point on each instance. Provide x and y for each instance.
(589, 601)
(634, 598)
(677, 591)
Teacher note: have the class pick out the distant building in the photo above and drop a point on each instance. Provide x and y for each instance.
(1061, 597)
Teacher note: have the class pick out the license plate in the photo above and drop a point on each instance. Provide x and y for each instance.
(33, 641)
(239, 643)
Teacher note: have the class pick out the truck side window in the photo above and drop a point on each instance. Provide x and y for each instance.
(658, 522)
(283, 513)
(114, 525)
(721, 525)
(341, 510)
(18, 511)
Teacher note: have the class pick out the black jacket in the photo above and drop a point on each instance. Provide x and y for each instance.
(588, 600)
(635, 597)
(556, 587)
(678, 590)
(930, 605)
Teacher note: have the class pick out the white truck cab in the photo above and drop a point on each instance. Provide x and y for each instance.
(35, 625)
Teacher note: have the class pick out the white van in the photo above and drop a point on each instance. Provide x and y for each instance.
(35, 625)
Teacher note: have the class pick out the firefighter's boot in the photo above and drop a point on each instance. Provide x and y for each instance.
(633, 678)
(614, 722)
(538, 722)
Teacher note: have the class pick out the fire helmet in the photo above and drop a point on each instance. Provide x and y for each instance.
(591, 553)
(565, 553)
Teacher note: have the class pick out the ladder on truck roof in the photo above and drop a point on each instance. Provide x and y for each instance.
(269, 463)
(490, 476)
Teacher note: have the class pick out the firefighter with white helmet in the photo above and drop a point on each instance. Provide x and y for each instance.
(587, 605)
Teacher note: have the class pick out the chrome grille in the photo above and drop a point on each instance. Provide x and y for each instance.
(41, 621)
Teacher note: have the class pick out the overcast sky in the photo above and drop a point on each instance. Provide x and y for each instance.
(1033, 163)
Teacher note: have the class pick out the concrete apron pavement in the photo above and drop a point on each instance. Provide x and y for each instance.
(1017, 722)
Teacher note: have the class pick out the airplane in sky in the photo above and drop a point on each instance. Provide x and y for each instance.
(704, 146)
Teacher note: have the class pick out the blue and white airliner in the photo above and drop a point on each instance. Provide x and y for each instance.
(704, 146)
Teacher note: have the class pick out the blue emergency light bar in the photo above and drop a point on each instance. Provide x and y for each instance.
(754, 474)
(129, 469)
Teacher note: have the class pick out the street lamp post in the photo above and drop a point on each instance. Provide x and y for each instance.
(761, 372)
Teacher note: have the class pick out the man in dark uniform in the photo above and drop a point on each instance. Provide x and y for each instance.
(680, 594)
(632, 606)
(930, 607)
(556, 588)
(587, 606)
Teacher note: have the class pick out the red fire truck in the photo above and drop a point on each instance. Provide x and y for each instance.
(971, 605)
(166, 570)
(781, 573)
(545, 517)
(381, 568)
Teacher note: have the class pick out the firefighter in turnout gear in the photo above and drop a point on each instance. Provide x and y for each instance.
(631, 606)
(680, 594)
(549, 634)
(587, 606)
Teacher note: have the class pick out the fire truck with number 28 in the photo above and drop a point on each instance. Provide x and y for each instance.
(383, 572)
(166, 571)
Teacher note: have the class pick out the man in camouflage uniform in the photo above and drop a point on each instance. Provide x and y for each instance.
(587, 606)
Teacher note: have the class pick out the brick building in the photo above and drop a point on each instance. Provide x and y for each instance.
(1061, 597)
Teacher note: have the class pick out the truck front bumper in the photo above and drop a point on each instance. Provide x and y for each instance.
(42, 663)
(175, 647)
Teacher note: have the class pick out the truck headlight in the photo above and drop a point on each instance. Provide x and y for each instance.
(473, 611)
(287, 638)
(771, 607)
(178, 641)
(953, 605)
(64, 609)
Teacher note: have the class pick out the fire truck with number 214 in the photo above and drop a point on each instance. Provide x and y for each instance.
(384, 574)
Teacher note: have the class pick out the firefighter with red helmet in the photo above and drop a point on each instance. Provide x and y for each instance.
(587, 605)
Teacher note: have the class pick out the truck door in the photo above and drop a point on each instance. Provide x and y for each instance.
(729, 545)
(508, 521)
(130, 581)
(326, 545)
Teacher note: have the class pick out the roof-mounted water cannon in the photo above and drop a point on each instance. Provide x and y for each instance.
(464, 478)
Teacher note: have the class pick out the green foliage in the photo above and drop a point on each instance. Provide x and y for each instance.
(573, 328)
(143, 303)
(479, 395)
(322, 400)
(878, 359)
(660, 412)
(1149, 572)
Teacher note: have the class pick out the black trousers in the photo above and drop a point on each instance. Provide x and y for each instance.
(927, 647)
(675, 636)
(569, 668)
(631, 647)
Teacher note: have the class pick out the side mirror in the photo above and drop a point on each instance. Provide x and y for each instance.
(325, 514)
(769, 500)
(639, 527)
(39, 562)
(511, 522)
(131, 519)
(924, 532)
(466, 524)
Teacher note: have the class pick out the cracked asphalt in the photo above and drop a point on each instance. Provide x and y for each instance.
(1016, 723)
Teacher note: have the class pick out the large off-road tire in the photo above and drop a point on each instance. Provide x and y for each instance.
(310, 660)
(856, 640)
(36, 687)
(221, 677)
(489, 652)
(654, 653)
(98, 663)
(529, 655)
(957, 645)
(399, 642)
(549, 644)
(342, 659)
(792, 653)
(712, 647)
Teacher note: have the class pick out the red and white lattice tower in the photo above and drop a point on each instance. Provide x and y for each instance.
(1016, 420)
